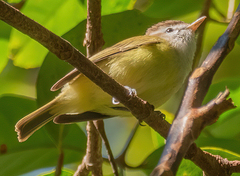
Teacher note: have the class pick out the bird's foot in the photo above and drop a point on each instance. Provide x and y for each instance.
(131, 91)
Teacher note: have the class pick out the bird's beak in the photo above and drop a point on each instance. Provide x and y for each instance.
(196, 23)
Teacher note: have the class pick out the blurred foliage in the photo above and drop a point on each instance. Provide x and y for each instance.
(140, 145)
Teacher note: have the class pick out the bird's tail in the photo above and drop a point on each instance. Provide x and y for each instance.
(34, 121)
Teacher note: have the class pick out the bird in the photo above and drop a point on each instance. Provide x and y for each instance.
(154, 65)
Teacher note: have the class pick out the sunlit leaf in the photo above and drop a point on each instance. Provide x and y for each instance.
(140, 147)
(55, 16)
(188, 168)
(4, 39)
(14, 80)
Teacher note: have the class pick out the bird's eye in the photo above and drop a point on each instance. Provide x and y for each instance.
(168, 30)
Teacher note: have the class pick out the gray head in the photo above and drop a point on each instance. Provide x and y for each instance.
(175, 30)
(180, 35)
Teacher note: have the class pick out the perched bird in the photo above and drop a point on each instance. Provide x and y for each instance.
(155, 65)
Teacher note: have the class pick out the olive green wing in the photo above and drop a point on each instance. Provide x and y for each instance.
(123, 46)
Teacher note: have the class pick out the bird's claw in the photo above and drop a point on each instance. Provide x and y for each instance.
(132, 92)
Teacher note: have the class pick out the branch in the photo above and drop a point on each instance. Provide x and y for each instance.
(58, 169)
(192, 118)
(215, 164)
(92, 161)
(94, 42)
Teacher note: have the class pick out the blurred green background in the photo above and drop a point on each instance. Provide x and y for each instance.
(28, 70)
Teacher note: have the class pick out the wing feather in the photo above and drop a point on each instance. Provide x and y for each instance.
(123, 46)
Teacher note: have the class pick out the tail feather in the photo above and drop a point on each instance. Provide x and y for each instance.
(34, 121)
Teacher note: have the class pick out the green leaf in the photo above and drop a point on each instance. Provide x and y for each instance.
(38, 151)
(188, 168)
(170, 9)
(116, 28)
(50, 72)
(4, 40)
(141, 147)
(229, 69)
(116, 6)
(121, 129)
(209, 141)
(151, 161)
(14, 80)
(55, 16)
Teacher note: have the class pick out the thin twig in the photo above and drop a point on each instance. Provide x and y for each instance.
(60, 164)
(99, 124)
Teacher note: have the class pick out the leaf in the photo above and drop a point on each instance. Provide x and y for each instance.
(14, 80)
(141, 147)
(121, 129)
(55, 16)
(4, 40)
(210, 141)
(170, 9)
(116, 6)
(188, 168)
(151, 161)
(38, 151)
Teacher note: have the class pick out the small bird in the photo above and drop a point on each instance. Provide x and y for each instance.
(155, 65)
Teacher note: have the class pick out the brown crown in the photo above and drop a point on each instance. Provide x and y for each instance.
(163, 24)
